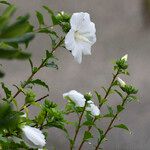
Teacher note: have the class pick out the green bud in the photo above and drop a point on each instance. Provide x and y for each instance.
(88, 96)
(129, 89)
(121, 82)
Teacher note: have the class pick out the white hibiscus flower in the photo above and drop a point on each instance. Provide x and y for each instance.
(93, 109)
(33, 137)
(81, 36)
(76, 97)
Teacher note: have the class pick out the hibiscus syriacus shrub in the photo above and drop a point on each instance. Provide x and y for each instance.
(76, 34)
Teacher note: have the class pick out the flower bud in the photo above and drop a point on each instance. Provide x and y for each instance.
(88, 96)
(125, 57)
(33, 137)
(121, 82)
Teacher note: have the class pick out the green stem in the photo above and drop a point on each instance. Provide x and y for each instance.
(78, 128)
(110, 125)
(106, 95)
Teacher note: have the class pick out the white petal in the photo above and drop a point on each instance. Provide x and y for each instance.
(34, 135)
(125, 57)
(122, 83)
(76, 97)
(93, 109)
(85, 47)
(77, 53)
(79, 21)
(69, 40)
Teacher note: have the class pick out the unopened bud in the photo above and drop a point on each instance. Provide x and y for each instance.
(122, 83)
(125, 57)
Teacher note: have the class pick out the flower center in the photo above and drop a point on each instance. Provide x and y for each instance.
(81, 37)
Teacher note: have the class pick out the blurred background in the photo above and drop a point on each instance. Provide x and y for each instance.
(123, 26)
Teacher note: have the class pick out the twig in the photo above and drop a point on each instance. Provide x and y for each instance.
(22, 108)
(78, 127)
(110, 125)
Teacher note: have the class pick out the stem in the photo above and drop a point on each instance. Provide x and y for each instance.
(110, 125)
(106, 95)
(78, 128)
(46, 27)
(109, 89)
(40, 66)
(22, 108)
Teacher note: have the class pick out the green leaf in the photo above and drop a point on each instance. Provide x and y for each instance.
(119, 93)
(9, 119)
(98, 97)
(30, 97)
(45, 30)
(110, 109)
(20, 27)
(6, 90)
(52, 65)
(4, 19)
(5, 2)
(120, 108)
(122, 126)
(39, 82)
(53, 17)
(13, 54)
(87, 136)
(21, 39)
(40, 18)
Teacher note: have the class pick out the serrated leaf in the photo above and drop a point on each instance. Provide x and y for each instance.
(87, 136)
(120, 108)
(122, 126)
(30, 97)
(40, 82)
(52, 65)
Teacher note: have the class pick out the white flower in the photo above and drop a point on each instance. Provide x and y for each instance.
(81, 36)
(125, 57)
(122, 83)
(33, 137)
(76, 97)
(94, 110)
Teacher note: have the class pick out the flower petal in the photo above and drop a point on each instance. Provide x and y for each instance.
(77, 53)
(70, 40)
(79, 21)
(76, 97)
(34, 136)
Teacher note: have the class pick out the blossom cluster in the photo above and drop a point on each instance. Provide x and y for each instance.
(80, 101)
